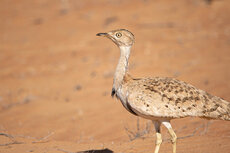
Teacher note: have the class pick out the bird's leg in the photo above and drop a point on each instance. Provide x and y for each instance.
(158, 136)
(172, 134)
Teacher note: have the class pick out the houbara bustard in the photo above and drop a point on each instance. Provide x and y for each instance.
(160, 99)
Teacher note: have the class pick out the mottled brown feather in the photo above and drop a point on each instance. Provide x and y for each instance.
(171, 98)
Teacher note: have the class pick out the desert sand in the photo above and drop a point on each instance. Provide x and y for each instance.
(56, 75)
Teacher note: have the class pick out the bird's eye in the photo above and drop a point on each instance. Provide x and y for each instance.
(118, 35)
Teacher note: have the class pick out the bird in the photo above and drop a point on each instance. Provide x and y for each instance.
(160, 99)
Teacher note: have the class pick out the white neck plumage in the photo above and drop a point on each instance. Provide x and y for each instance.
(122, 66)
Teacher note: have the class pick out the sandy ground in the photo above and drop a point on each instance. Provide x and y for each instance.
(56, 75)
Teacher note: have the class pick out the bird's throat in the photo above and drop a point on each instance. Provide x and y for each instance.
(122, 66)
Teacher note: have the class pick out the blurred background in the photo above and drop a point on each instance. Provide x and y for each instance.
(56, 75)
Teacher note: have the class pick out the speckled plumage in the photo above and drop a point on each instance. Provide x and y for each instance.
(160, 99)
(170, 98)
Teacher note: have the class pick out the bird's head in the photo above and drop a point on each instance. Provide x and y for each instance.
(120, 37)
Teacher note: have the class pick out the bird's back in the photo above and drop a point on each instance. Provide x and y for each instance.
(171, 98)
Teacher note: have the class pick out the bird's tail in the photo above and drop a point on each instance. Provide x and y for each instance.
(220, 109)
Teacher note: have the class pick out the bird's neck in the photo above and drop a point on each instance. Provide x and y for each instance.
(122, 66)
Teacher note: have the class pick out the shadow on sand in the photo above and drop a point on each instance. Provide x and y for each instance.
(97, 151)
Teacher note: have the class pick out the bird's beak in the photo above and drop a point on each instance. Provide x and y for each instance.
(102, 34)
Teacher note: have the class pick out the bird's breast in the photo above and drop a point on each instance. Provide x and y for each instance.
(122, 95)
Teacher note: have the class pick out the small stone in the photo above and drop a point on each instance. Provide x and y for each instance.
(93, 74)
(67, 99)
(78, 87)
(38, 21)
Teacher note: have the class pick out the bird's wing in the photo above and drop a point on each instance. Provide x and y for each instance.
(171, 98)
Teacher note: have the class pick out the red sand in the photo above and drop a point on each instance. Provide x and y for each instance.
(56, 75)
